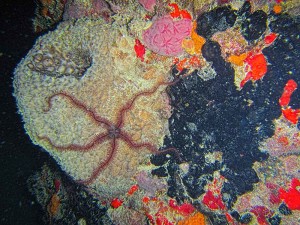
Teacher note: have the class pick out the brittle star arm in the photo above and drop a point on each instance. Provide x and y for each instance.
(154, 150)
(76, 103)
(130, 103)
(98, 139)
(102, 165)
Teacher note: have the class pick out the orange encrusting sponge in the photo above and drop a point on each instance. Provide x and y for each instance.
(196, 218)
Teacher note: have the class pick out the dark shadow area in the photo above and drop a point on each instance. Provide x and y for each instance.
(19, 158)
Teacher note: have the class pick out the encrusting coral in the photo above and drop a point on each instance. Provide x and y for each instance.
(165, 35)
(53, 62)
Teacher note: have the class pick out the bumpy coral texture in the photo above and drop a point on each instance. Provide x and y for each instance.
(165, 35)
(108, 76)
(52, 62)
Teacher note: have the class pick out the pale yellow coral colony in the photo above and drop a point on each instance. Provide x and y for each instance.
(108, 75)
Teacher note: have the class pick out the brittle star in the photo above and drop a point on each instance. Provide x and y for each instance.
(113, 132)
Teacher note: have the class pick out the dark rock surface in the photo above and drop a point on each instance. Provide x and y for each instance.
(210, 116)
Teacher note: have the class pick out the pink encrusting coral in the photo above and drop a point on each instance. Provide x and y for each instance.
(148, 4)
(165, 35)
(89, 9)
(148, 183)
(262, 214)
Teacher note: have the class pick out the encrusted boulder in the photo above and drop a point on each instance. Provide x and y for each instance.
(89, 101)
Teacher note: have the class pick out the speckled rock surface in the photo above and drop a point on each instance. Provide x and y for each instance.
(225, 133)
